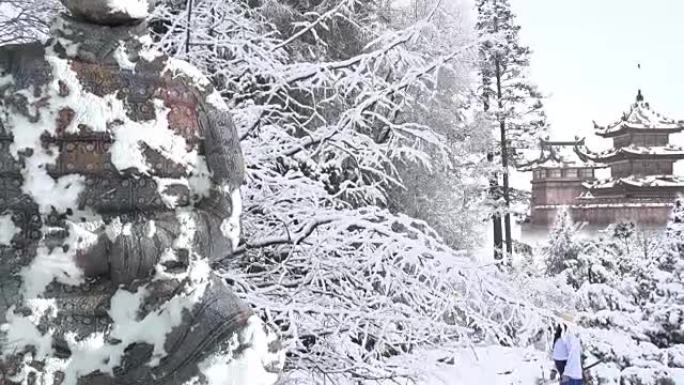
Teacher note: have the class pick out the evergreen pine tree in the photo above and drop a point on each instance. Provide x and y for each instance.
(562, 246)
(507, 93)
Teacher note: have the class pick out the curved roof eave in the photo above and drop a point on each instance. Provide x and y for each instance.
(640, 117)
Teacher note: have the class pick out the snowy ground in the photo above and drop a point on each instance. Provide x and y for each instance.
(490, 365)
(494, 365)
(498, 365)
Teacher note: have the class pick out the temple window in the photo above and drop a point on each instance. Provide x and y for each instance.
(661, 140)
(643, 167)
(664, 167)
(621, 168)
(586, 173)
(571, 173)
(621, 141)
(554, 173)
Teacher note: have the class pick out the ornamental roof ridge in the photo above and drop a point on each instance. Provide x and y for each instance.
(640, 117)
(558, 154)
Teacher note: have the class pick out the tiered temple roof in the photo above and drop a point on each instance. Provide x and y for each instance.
(639, 182)
(640, 141)
(630, 152)
(640, 118)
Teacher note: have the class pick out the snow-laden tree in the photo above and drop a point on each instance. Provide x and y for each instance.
(448, 192)
(506, 88)
(513, 101)
(562, 246)
(629, 259)
(332, 103)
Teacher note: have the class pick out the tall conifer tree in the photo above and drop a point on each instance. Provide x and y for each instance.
(509, 96)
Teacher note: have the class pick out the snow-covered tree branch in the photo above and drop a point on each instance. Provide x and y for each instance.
(25, 20)
(335, 107)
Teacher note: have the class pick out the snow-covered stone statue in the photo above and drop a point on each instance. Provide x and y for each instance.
(119, 185)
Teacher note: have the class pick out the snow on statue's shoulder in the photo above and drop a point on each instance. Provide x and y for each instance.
(216, 100)
(136, 9)
(182, 68)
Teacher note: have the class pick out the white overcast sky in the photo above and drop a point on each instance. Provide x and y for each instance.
(586, 53)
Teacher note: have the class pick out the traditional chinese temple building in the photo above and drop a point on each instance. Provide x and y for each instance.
(559, 178)
(642, 186)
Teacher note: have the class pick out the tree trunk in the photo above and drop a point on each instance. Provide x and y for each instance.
(504, 155)
(187, 29)
(496, 218)
(504, 162)
(494, 194)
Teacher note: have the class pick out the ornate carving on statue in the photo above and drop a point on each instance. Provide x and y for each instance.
(119, 178)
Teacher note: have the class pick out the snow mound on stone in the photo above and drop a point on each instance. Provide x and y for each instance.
(136, 9)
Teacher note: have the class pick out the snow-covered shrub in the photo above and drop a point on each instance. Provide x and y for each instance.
(665, 310)
(675, 356)
(646, 376)
(591, 266)
(619, 347)
(673, 240)
(665, 324)
(627, 305)
(624, 259)
(605, 374)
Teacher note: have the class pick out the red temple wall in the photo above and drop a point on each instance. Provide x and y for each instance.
(603, 216)
(641, 167)
(556, 192)
(644, 215)
(645, 140)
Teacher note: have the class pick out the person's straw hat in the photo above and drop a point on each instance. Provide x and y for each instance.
(567, 317)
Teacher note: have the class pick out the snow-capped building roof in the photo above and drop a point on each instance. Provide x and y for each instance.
(558, 154)
(640, 117)
(630, 152)
(638, 182)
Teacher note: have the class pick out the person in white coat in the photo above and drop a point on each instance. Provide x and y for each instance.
(560, 351)
(573, 373)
